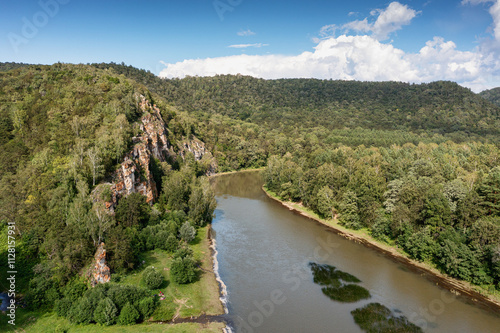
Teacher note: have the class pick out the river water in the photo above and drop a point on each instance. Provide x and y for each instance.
(263, 254)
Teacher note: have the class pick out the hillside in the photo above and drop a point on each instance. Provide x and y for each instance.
(438, 107)
(85, 155)
(492, 95)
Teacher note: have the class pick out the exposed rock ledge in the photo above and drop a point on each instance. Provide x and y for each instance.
(135, 174)
(100, 272)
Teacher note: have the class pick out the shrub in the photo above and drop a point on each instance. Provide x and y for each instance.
(183, 270)
(160, 239)
(152, 278)
(121, 294)
(95, 295)
(62, 306)
(187, 232)
(105, 312)
(171, 244)
(129, 315)
(75, 290)
(183, 252)
(146, 307)
(81, 312)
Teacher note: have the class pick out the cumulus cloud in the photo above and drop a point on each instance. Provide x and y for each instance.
(363, 57)
(353, 58)
(389, 20)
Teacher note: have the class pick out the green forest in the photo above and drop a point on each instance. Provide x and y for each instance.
(417, 165)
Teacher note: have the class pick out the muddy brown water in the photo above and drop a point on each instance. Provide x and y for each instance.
(263, 255)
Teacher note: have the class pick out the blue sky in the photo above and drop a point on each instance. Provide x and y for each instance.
(408, 40)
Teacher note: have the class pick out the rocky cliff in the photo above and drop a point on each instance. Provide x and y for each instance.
(135, 174)
(100, 272)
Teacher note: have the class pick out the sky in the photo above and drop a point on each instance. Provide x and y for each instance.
(406, 40)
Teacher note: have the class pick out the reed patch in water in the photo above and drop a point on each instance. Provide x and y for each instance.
(375, 317)
(338, 286)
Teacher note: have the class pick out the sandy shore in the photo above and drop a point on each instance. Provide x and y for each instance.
(457, 287)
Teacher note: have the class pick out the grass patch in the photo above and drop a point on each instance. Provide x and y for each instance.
(182, 301)
(338, 286)
(375, 318)
(49, 322)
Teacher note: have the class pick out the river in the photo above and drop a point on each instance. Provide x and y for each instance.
(264, 251)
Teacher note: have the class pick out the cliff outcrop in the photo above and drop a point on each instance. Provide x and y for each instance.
(100, 272)
(135, 174)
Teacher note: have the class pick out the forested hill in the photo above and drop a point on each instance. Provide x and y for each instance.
(438, 107)
(77, 144)
(492, 95)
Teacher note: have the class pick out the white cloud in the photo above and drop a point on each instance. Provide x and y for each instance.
(389, 20)
(328, 30)
(244, 46)
(475, 2)
(365, 57)
(244, 33)
(494, 11)
(354, 58)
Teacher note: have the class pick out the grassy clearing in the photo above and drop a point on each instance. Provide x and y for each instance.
(181, 301)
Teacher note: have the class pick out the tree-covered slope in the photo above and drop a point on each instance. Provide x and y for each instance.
(492, 95)
(73, 137)
(439, 107)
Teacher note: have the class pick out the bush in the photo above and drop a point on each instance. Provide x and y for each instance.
(187, 232)
(42, 292)
(62, 306)
(81, 312)
(171, 244)
(95, 295)
(152, 278)
(121, 294)
(75, 290)
(146, 307)
(183, 252)
(160, 239)
(184, 270)
(105, 312)
(129, 315)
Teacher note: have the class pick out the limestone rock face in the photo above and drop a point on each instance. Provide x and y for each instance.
(198, 149)
(134, 174)
(100, 272)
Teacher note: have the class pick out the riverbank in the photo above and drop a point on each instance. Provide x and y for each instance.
(233, 172)
(460, 288)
